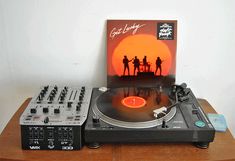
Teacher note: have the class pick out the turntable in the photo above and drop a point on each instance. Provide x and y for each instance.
(147, 115)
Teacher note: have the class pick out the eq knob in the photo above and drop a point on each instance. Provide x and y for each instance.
(53, 92)
(69, 104)
(78, 107)
(83, 89)
(81, 97)
(46, 88)
(42, 93)
(39, 98)
(62, 98)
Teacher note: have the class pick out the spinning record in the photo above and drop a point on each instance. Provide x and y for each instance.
(133, 107)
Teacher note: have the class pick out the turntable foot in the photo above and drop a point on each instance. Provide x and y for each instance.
(94, 145)
(202, 145)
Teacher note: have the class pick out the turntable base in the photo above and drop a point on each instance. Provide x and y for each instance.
(109, 121)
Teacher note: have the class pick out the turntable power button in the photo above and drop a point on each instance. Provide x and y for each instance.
(200, 123)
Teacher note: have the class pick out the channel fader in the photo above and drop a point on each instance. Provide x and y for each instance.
(54, 118)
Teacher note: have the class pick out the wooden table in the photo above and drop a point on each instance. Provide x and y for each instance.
(223, 148)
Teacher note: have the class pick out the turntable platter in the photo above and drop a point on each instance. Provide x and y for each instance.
(132, 107)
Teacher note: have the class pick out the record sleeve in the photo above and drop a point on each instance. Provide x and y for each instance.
(141, 53)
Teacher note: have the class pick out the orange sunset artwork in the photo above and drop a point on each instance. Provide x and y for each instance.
(141, 45)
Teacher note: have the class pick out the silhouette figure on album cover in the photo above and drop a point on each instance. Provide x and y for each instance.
(145, 63)
(126, 64)
(136, 63)
(158, 65)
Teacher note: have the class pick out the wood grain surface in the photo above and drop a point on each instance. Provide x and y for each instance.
(223, 148)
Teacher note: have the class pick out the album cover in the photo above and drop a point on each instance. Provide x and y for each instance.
(141, 53)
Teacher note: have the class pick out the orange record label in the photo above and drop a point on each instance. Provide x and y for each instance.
(134, 102)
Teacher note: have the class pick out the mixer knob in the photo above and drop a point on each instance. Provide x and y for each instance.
(53, 92)
(83, 89)
(39, 97)
(51, 98)
(46, 120)
(33, 110)
(82, 94)
(78, 107)
(69, 104)
(42, 93)
(62, 98)
(81, 97)
(63, 94)
(46, 88)
(45, 110)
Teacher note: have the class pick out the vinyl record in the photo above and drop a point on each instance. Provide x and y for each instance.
(132, 107)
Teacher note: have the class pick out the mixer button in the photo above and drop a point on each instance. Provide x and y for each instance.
(33, 110)
(57, 110)
(45, 110)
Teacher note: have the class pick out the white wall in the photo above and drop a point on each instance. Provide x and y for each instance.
(63, 42)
